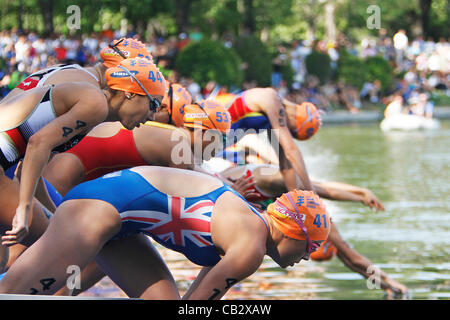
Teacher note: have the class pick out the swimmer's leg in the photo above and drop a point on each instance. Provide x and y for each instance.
(4, 255)
(89, 277)
(135, 265)
(76, 233)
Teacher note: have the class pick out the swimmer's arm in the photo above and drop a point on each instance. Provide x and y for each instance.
(288, 173)
(360, 264)
(288, 103)
(41, 190)
(84, 115)
(216, 175)
(278, 120)
(236, 265)
(43, 196)
(363, 195)
(334, 193)
(201, 275)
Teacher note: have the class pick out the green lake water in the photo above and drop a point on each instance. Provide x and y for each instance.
(410, 174)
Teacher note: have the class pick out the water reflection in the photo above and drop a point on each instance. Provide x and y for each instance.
(409, 172)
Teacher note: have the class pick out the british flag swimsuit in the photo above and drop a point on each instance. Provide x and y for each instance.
(179, 224)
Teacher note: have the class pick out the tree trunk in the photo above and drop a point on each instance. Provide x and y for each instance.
(249, 17)
(330, 24)
(182, 13)
(47, 15)
(311, 20)
(20, 16)
(425, 6)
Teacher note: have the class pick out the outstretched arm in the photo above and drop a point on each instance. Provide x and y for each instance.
(360, 264)
(272, 106)
(346, 192)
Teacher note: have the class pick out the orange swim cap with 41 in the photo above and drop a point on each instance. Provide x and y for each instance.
(300, 215)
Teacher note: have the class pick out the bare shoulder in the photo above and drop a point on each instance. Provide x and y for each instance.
(235, 224)
(85, 95)
(168, 138)
(82, 90)
(262, 98)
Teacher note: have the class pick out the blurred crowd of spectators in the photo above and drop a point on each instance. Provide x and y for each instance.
(424, 65)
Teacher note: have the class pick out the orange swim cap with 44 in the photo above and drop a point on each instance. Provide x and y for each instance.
(137, 75)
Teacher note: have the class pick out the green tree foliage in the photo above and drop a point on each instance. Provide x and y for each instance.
(350, 70)
(209, 60)
(216, 17)
(377, 68)
(319, 64)
(353, 70)
(285, 19)
(256, 57)
(439, 19)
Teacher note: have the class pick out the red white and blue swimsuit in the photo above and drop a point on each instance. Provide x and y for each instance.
(242, 117)
(13, 141)
(177, 223)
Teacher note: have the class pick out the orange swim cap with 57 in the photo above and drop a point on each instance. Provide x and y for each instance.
(300, 215)
(307, 121)
(121, 49)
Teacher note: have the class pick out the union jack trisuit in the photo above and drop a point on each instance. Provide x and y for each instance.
(179, 224)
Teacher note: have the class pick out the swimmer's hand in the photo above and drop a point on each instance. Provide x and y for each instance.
(395, 290)
(321, 113)
(19, 228)
(370, 200)
(245, 186)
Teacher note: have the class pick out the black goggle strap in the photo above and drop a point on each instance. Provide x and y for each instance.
(171, 103)
(201, 107)
(117, 50)
(154, 104)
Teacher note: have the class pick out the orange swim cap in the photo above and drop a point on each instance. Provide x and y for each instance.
(307, 120)
(137, 75)
(207, 114)
(325, 252)
(121, 49)
(176, 99)
(301, 215)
